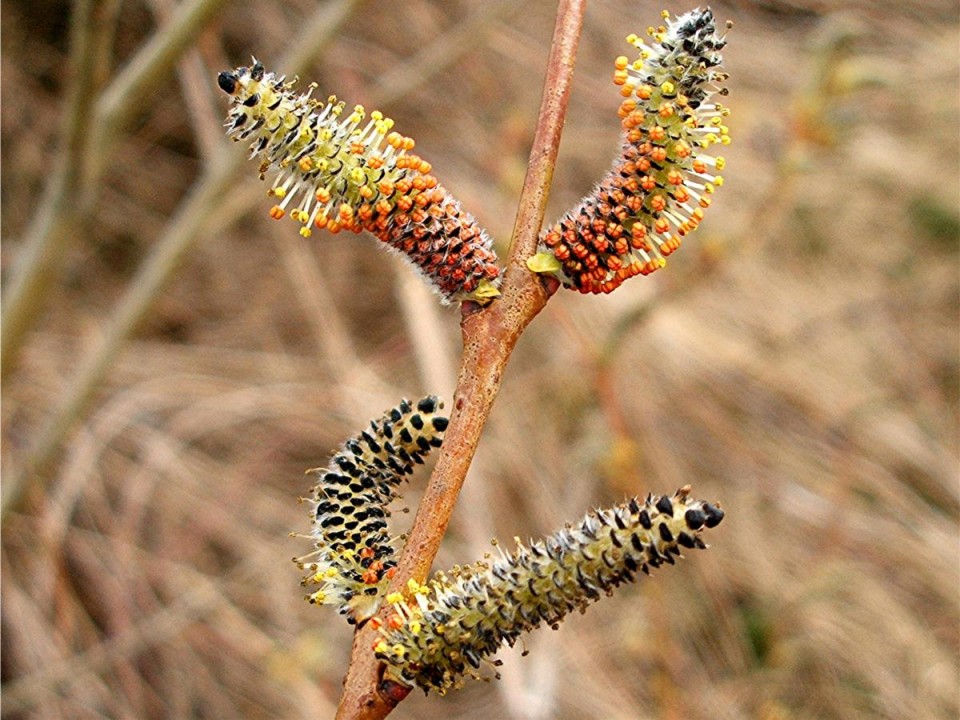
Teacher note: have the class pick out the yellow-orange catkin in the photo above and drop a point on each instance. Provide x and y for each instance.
(339, 169)
(662, 181)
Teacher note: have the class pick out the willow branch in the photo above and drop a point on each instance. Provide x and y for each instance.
(489, 337)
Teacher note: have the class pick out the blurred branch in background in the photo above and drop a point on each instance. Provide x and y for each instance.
(91, 129)
(52, 222)
(182, 232)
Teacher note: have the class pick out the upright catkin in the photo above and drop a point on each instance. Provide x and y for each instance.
(663, 179)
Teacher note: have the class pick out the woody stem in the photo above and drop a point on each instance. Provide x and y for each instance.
(489, 337)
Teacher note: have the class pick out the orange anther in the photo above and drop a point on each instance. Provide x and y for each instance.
(395, 622)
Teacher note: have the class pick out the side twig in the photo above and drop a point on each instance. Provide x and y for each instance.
(489, 337)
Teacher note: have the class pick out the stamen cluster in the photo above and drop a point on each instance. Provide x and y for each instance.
(340, 170)
(661, 183)
(355, 555)
(458, 621)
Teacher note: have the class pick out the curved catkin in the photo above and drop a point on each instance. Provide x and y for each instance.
(354, 556)
(462, 619)
(340, 170)
(663, 180)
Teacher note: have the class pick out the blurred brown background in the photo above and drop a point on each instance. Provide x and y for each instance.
(188, 359)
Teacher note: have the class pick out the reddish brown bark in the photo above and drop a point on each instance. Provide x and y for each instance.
(489, 337)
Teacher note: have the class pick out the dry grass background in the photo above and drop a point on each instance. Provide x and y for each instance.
(797, 361)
